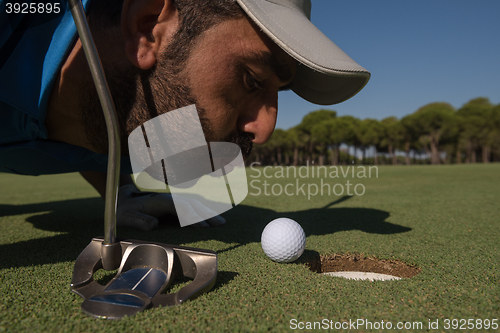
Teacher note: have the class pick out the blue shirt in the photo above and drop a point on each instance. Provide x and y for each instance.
(33, 47)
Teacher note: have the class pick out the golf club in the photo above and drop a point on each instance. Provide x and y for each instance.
(145, 270)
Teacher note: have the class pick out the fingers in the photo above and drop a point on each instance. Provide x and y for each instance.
(211, 218)
(125, 192)
(202, 224)
(157, 204)
(136, 220)
(216, 221)
(142, 209)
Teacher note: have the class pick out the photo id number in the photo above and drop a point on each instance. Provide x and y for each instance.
(32, 8)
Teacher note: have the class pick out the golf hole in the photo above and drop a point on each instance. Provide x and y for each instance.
(360, 267)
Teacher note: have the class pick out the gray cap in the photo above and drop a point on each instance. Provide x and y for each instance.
(325, 74)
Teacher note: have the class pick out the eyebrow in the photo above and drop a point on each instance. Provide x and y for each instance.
(267, 59)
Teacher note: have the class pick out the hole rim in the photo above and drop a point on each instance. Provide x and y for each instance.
(359, 262)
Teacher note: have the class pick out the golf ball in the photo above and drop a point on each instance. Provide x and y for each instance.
(283, 240)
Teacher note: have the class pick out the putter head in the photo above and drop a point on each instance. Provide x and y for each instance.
(146, 271)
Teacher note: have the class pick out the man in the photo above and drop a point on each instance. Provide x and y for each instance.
(228, 57)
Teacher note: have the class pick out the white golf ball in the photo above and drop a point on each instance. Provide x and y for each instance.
(283, 240)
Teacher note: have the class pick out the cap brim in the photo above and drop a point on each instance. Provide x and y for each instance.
(325, 74)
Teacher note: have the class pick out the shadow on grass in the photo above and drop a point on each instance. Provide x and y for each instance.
(79, 220)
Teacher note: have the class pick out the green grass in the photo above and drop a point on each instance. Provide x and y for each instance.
(444, 219)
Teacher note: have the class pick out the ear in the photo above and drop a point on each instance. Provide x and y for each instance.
(147, 26)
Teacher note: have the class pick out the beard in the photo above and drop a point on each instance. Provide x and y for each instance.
(141, 95)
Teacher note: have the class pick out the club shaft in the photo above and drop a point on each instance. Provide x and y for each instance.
(109, 115)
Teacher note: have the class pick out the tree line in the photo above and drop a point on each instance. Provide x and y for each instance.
(436, 133)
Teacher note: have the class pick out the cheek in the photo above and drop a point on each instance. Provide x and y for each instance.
(215, 92)
(224, 115)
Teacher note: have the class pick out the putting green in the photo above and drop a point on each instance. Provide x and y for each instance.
(442, 219)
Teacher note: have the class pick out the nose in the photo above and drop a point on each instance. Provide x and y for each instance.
(259, 118)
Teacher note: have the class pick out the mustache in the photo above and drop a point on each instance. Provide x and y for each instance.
(243, 141)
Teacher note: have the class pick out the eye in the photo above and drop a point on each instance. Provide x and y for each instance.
(251, 82)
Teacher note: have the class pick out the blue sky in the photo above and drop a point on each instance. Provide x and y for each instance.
(418, 52)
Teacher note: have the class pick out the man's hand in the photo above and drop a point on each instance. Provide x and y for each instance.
(142, 209)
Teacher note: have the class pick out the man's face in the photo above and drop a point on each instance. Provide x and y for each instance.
(233, 75)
